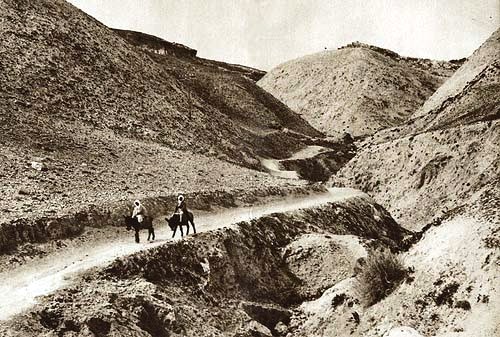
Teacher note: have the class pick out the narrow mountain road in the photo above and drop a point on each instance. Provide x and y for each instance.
(20, 288)
(274, 166)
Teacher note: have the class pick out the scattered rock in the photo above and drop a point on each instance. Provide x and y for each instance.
(39, 166)
(99, 326)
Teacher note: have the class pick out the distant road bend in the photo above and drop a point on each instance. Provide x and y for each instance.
(19, 289)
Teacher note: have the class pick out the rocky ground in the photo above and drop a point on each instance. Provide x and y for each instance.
(61, 69)
(431, 173)
(437, 174)
(92, 118)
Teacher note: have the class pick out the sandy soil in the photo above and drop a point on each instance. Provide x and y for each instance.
(451, 291)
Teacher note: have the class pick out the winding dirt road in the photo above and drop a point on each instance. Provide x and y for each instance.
(275, 168)
(19, 289)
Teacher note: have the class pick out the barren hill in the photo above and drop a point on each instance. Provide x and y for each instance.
(444, 156)
(87, 116)
(58, 64)
(358, 89)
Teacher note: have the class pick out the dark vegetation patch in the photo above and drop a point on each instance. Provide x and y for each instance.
(445, 296)
(383, 272)
(462, 304)
(338, 300)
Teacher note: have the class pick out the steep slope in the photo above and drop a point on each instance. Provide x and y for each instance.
(453, 289)
(470, 95)
(86, 117)
(60, 64)
(358, 89)
(439, 159)
(478, 79)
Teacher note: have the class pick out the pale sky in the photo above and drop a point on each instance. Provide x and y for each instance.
(265, 33)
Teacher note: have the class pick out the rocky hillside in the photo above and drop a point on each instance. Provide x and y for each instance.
(469, 96)
(87, 117)
(162, 47)
(358, 89)
(156, 44)
(60, 66)
(446, 154)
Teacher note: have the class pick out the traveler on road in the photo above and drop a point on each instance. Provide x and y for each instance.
(181, 207)
(139, 211)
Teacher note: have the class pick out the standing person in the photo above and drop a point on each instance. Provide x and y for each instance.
(139, 211)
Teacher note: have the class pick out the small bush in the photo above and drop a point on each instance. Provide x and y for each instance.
(463, 305)
(381, 274)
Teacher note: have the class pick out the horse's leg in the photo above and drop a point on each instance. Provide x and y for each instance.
(153, 232)
(136, 236)
(175, 230)
(187, 226)
(149, 234)
(180, 227)
(194, 228)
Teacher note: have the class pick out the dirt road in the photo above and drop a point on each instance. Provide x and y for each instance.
(274, 166)
(19, 289)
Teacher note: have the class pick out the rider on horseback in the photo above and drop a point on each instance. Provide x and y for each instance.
(181, 207)
(139, 211)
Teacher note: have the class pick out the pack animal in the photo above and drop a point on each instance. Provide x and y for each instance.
(175, 222)
(147, 223)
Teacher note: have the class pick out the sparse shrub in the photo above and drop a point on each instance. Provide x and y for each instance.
(463, 305)
(381, 274)
(446, 294)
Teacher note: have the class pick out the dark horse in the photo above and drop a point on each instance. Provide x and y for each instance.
(175, 222)
(137, 226)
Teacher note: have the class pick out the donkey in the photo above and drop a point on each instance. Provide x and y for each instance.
(137, 226)
(174, 222)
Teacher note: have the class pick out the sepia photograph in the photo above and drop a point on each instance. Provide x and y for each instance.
(250, 168)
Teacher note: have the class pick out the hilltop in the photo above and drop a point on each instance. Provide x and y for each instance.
(438, 175)
(162, 47)
(443, 156)
(358, 89)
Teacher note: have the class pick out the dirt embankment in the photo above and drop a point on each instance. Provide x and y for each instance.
(239, 281)
(35, 230)
(322, 166)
